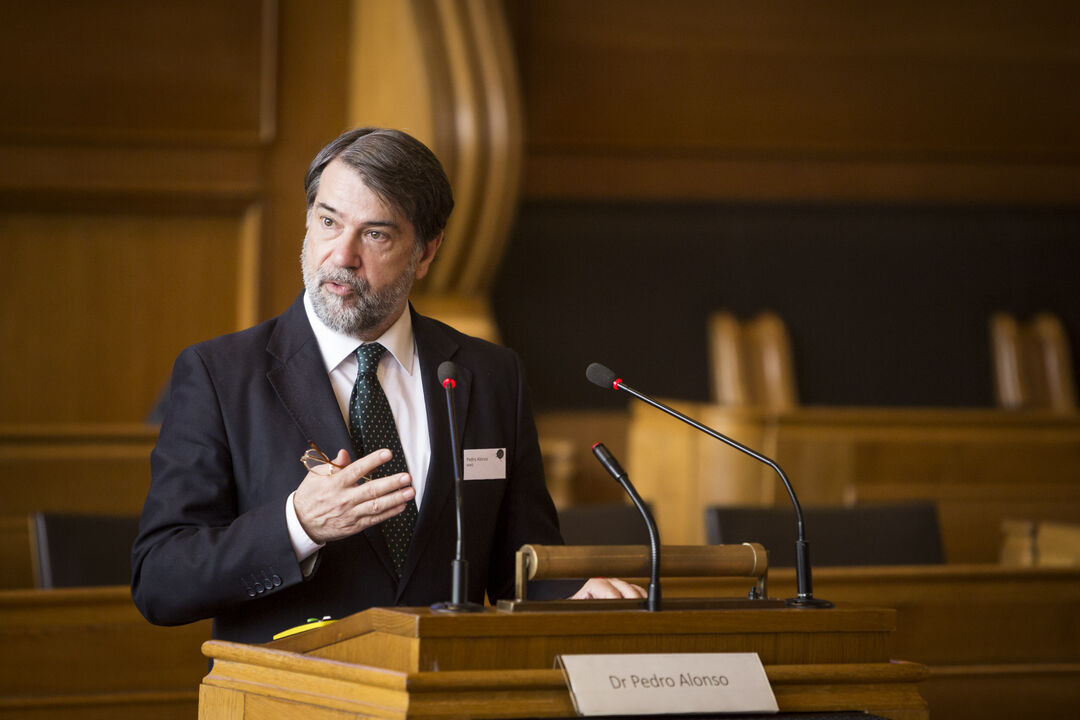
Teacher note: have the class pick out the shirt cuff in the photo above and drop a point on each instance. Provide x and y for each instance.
(302, 545)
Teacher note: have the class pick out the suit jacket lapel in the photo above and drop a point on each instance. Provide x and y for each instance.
(435, 347)
(301, 383)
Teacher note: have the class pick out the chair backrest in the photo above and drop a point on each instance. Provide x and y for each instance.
(895, 534)
(750, 362)
(603, 524)
(1032, 363)
(74, 550)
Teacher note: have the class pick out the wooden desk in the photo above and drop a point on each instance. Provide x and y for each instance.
(997, 642)
(88, 653)
(981, 466)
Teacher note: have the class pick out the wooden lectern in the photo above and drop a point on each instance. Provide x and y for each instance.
(409, 663)
(414, 663)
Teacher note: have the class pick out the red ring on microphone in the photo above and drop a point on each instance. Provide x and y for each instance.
(451, 381)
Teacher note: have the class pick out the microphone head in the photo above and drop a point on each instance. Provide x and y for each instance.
(448, 373)
(600, 375)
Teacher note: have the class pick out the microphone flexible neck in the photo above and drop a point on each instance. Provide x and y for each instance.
(803, 572)
(733, 443)
(615, 470)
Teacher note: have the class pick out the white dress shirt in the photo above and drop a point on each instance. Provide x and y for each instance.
(399, 375)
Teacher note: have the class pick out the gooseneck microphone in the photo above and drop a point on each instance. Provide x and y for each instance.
(615, 470)
(459, 590)
(605, 378)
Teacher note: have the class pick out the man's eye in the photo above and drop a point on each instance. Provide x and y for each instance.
(376, 234)
(327, 222)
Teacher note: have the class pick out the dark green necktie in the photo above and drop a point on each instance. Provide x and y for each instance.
(372, 427)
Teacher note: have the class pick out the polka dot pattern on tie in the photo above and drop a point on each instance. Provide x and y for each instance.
(371, 424)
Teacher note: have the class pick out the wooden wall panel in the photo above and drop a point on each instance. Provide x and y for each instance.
(129, 70)
(788, 100)
(97, 305)
(132, 175)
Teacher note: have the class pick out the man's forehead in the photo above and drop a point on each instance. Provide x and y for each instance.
(342, 190)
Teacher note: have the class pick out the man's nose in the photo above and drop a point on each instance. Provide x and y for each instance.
(346, 251)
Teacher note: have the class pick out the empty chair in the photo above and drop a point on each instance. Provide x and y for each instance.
(901, 534)
(1032, 363)
(74, 550)
(603, 524)
(750, 362)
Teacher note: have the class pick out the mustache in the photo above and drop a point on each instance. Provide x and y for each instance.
(341, 276)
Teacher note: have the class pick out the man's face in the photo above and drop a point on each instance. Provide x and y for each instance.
(360, 256)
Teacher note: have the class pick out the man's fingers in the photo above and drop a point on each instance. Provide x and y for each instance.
(377, 512)
(628, 590)
(608, 588)
(376, 500)
(334, 506)
(385, 487)
(358, 470)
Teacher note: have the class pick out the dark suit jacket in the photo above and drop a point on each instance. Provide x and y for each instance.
(213, 541)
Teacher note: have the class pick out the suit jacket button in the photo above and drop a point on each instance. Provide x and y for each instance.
(259, 587)
(276, 580)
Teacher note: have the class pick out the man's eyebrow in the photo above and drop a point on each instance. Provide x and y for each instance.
(370, 223)
(382, 223)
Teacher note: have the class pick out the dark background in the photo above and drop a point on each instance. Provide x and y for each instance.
(886, 306)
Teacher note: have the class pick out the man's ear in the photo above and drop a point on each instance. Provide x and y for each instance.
(427, 256)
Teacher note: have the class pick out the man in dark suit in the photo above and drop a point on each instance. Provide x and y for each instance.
(236, 528)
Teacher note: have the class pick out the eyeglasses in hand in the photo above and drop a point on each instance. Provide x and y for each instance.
(317, 462)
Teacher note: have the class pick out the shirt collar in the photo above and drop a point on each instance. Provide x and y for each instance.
(337, 347)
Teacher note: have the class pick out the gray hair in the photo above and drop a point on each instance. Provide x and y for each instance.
(399, 169)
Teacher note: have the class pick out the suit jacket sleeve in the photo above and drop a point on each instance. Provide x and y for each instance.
(200, 548)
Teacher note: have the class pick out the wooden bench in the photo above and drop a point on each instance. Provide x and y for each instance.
(97, 469)
(998, 642)
(88, 653)
(980, 466)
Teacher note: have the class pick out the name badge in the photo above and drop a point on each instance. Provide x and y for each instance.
(660, 684)
(485, 464)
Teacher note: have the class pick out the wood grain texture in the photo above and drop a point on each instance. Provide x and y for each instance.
(102, 301)
(496, 664)
(428, 641)
(125, 70)
(736, 101)
(86, 653)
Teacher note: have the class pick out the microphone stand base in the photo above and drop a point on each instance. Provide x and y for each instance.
(808, 602)
(452, 607)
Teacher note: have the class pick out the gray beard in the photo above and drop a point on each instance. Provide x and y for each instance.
(363, 311)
